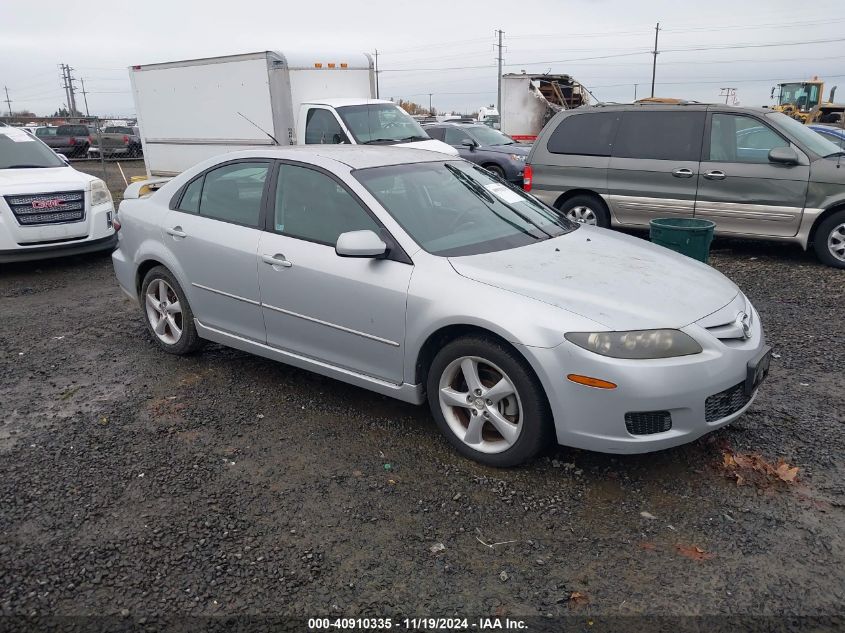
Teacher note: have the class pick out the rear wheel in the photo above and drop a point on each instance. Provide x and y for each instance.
(586, 209)
(495, 169)
(167, 313)
(488, 403)
(829, 241)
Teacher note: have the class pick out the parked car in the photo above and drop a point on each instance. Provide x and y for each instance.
(47, 208)
(833, 133)
(117, 140)
(754, 172)
(71, 140)
(425, 278)
(484, 146)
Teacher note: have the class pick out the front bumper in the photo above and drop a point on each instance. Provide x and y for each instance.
(62, 249)
(594, 419)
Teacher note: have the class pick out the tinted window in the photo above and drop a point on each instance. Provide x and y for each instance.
(455, 136)
(233, 193)
(742, 139)
(72, 130)
(45, 131)
(660, 135)
(586, 134)
(191, 198)
(435, 132)
(321, 127)
(313, 206)
(118, 130)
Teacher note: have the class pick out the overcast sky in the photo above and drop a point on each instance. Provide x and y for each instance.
(434, 47)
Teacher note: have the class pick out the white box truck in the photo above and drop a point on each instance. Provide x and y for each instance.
(529, 101)
(192, 110)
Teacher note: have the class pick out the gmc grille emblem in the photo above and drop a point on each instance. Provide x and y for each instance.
(47, 204)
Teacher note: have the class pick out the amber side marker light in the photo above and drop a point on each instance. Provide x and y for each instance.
(598, 383)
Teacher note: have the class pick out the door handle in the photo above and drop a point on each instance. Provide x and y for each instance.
(714, 174)
(682, 172)
(177, 231)
(276, 260)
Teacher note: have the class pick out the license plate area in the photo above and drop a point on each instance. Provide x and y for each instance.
(757, 370)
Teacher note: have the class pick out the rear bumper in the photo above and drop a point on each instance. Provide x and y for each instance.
(59, 250)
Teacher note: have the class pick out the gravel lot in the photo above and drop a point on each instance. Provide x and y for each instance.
(145, 486)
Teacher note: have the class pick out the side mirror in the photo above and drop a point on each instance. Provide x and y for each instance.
(471, 144)
(783, 156)
(360, 244)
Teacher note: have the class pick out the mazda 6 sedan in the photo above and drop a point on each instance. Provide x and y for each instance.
(425, 278)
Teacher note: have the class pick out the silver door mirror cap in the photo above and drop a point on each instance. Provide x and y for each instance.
(784, 156)
(360, 244)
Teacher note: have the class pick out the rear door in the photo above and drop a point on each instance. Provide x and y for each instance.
(739, 189)
(653, 170)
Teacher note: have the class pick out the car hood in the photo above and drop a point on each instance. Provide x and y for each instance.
(618, 281)
(519, 150)
(432, 145)
(18, 180)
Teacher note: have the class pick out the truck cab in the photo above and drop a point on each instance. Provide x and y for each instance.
(362, 122)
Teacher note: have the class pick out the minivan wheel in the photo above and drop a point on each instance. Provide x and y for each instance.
(829, 241)
(487, 402)
(167, 314)
(586, 209)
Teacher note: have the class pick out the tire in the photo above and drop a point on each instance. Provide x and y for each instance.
(523, 411)
(586, 209)
(495, 169)
(829, 240)
(178, 334)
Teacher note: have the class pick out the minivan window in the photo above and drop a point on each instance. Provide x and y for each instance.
(805, 136)
(660, 135)
(322, 128)
(742, 139)
(589, 134)
(233, 193)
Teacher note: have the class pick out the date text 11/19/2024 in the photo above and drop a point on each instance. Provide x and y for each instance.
(416, 624)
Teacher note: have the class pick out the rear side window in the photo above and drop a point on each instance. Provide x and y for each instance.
(191, 198)
(659, 135)
(231, 193)
(456, 136)
(435, 132)
(585, 134)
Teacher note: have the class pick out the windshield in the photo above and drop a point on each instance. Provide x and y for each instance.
(380, 122)
(45, 131)
(455, 208)
(19, 150)
(803, 96)
(118, 130)
(811, 140)
(488, 136)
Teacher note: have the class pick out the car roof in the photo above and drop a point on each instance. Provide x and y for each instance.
(669, 107)
(347, 101)
(353, 156)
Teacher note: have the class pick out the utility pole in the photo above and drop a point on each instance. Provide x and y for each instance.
(429, 104)
(635, 91)
(377, 94)
(65, 84)
(654, 63)
(85, 96)
(8, 101)
(73, 109)
(499, 79)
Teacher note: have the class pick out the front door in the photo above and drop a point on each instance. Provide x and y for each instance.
(347, 312)
(739, 189)
(214, 234)
(654, 165)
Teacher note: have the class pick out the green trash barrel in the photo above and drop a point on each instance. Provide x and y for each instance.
(687, 236)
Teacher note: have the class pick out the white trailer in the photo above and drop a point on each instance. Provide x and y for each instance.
(191, 110)
(529, 101)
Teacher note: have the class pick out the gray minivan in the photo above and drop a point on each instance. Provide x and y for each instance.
(754, 172)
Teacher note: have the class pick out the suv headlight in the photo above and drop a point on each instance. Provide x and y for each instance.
(637, 344)
(99, 192)
(518, 157)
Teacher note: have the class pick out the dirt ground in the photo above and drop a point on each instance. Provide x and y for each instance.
(146, 486)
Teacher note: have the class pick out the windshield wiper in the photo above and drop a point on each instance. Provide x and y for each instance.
(840, 153)
(416, 138)
(372, 141)
(25, 167)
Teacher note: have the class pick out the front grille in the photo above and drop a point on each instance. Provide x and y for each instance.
(721, 405)
(648, 422)
(48, 208)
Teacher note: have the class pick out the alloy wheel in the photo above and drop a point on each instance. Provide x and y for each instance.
(836, 242)
(480, 404)
(582, 214)
(164, 311)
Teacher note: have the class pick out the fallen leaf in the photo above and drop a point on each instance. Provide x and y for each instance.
(756, 468)
(647, 515)
(786, 472)
(576, 597)
(693, 552)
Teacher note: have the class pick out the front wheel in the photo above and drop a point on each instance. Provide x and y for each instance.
(586, 209)
(495, 169)
(488, 403)
(167, 313)
(829, 241)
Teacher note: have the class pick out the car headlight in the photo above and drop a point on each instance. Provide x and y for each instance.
(518, 157)
(637, 344)
(99, 192)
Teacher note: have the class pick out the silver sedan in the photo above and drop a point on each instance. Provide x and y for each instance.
(426, 278)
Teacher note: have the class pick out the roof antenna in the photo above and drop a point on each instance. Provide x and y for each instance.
(272, 138)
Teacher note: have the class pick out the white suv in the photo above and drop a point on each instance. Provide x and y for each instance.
(47, 208)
